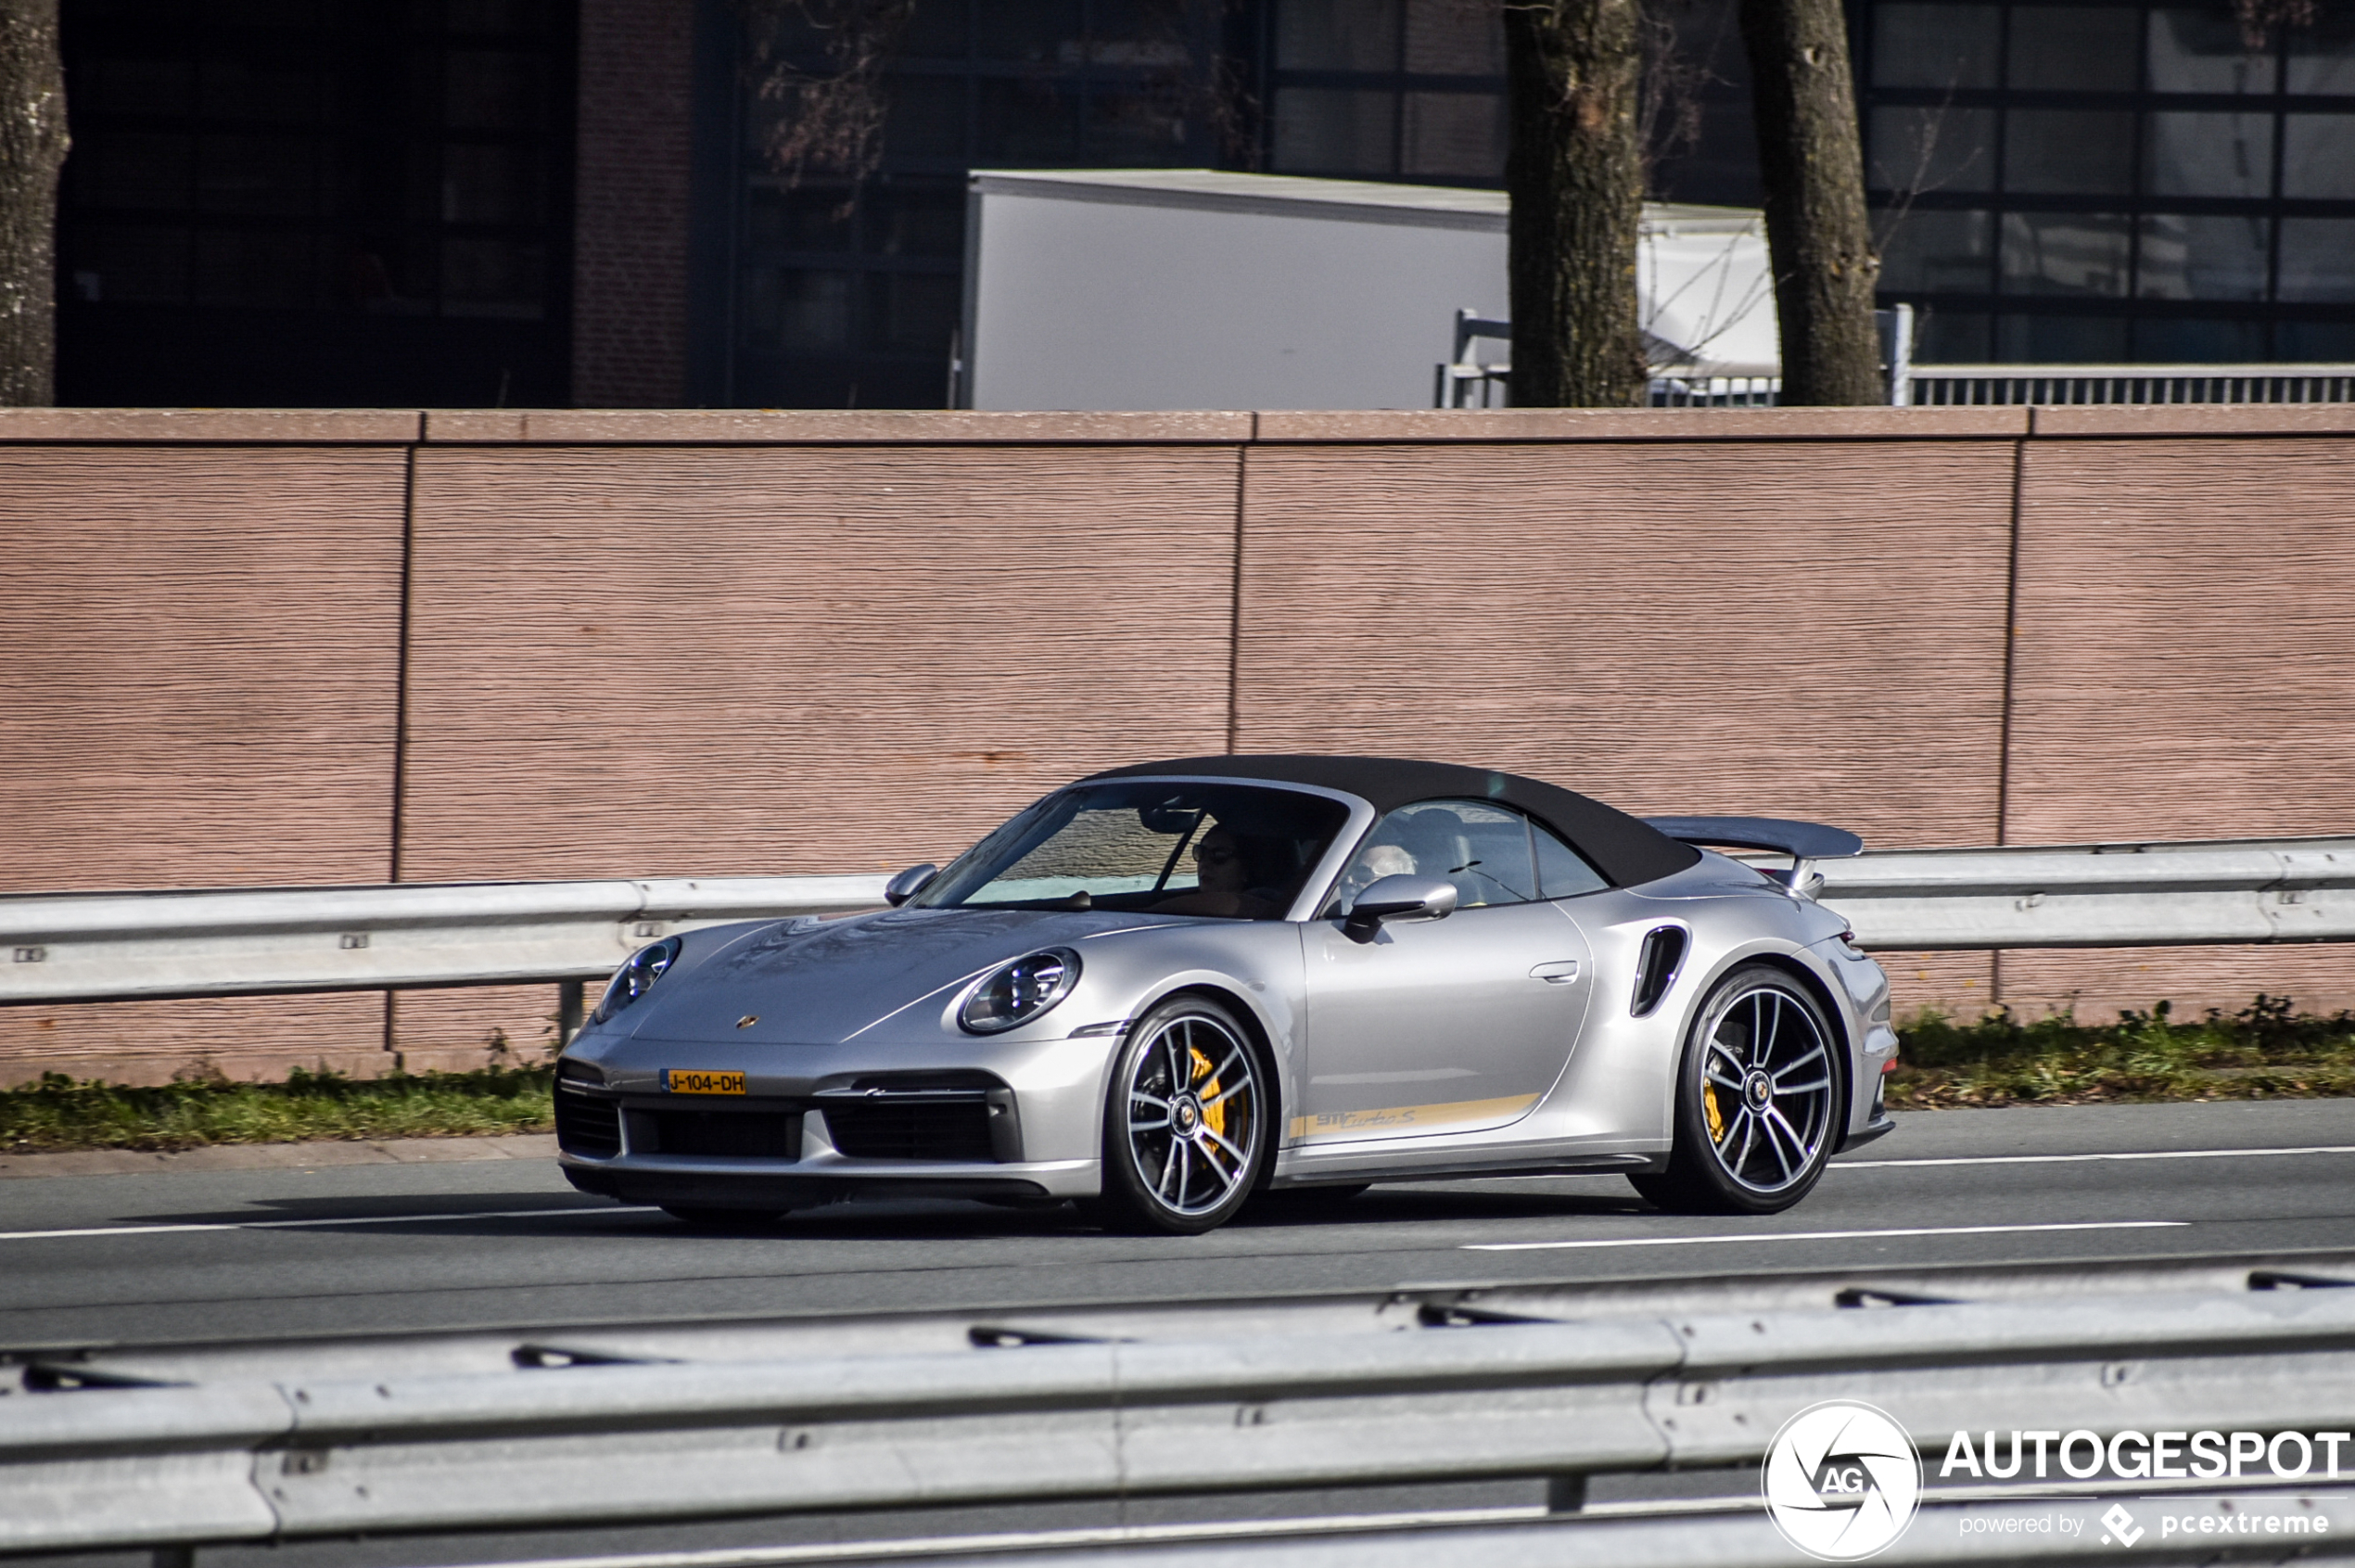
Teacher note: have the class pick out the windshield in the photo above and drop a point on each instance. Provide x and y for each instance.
(1229, 851)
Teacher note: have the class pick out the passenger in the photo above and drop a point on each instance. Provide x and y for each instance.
(1373, 862)
(1224, 883)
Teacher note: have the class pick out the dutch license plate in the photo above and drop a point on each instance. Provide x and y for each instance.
(680, 1081)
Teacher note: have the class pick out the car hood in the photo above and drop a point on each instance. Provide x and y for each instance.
(815, 982)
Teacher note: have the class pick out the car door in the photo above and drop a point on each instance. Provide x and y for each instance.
(1447, 1026)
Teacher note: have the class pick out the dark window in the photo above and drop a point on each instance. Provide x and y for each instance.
(2321, 57)
(2318, 157)
(2061, 339)
(1481, 848)
(2137, 180)
(1938, 46)
(2203, 49)
(1563, 871)
(299, 203)
(2215, 256)
(1921, 148)
(2074, 48)
(2064, 253)
(2318, 259)
(2068, 152)
(1938, 250)
(849, 291)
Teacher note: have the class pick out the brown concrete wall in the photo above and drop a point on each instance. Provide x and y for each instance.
(2185, 669)
(1811, 630)
(199, 687)
(680, 644)
(764, 660)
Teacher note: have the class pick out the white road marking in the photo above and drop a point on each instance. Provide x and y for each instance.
(1827, 1235)
(295, 1224)
(2073, 1159)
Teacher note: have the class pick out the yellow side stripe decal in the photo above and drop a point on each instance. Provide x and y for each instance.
(1342, 1124)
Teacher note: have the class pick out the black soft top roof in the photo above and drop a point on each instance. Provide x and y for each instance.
(1622, 848)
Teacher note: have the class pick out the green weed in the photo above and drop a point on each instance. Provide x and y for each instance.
(58, 1113)
(2266, 1051)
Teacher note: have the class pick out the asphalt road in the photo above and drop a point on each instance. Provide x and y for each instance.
(186, 1255)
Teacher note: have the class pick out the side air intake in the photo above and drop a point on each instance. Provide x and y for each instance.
(1656, 969)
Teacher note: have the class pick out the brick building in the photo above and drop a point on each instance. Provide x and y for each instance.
(550, 202)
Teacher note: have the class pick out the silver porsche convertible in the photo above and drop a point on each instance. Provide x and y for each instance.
(1165, 990)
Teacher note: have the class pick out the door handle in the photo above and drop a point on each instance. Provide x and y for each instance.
(1561, 972)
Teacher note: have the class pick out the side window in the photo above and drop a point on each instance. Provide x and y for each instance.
(1563, 871)
(1483, 848)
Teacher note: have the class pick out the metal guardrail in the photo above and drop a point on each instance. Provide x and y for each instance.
(111, 946)
(1455, 1394)
(104, 946)
(2098, 895)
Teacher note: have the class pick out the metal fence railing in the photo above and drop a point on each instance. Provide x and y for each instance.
(1469, 381)
(638, 1427)
(93, 947)
(1947, 386)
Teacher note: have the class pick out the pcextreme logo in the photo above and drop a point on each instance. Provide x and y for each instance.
(1841, 1481)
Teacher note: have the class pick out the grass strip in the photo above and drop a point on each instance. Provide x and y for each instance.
(2267, 1050)
(57, 1113)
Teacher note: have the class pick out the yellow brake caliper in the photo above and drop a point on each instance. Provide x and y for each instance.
(1213, 1110)
(1709, 1109)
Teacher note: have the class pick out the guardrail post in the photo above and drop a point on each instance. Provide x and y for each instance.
(569, 1004)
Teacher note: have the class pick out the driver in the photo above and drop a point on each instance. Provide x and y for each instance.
(1224, 883)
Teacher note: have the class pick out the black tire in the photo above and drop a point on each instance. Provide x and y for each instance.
(1192, 1166)
(1751, 1047)
(722, 1218)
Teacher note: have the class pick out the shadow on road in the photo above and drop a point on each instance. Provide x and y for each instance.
(540, 1214)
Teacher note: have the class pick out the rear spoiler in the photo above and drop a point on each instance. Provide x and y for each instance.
(1805, 841)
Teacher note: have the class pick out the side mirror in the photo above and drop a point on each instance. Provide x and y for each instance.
(909, 883)
(1399, 897)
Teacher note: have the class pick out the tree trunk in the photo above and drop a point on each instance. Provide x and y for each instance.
(1819, 234)
(1575, 170)
(32, 148)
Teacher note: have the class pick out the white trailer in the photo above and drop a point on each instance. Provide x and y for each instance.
(1188, 288)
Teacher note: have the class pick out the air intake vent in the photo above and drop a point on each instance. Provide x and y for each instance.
(1656, 970)
(744, 1135)
(894, 1130)
(586, 1125)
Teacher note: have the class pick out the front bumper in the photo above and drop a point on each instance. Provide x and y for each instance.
(692, 1183)
(795, 1153)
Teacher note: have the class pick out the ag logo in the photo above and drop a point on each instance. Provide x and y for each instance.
(1841, 1481)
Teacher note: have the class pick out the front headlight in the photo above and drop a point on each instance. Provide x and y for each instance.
(636, 975)
(1019, 991)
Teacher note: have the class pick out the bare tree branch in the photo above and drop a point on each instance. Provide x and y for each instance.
(829, 120)
(2261, 19)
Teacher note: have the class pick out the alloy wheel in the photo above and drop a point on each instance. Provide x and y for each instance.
(1766, 1090)
(1193, 1114)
